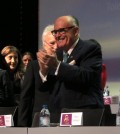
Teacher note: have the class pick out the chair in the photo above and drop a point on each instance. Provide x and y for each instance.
(103, 76)
(10, 110)
(109, 118)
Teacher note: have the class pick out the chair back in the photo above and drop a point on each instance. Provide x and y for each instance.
(10, 110)
(103, 76)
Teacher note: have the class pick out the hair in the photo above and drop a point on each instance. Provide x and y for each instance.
(7, 50)
(47, 29)
(74, 20)
(27, 53)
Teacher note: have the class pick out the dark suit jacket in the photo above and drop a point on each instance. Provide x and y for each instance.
(79, 85)
(75, 86)
(6, 90)
(33, 95)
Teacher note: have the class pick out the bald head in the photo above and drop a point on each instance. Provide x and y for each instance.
(66, 31)
(67, 20)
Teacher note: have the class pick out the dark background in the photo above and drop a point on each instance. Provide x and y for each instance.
(19, 24)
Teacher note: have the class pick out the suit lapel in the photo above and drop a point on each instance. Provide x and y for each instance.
(59, 55)
(76, 52)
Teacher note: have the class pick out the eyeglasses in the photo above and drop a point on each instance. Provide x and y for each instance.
(61, 30)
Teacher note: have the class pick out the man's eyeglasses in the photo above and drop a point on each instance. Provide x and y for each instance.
(61, 30)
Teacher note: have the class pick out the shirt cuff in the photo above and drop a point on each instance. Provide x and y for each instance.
(56, 72)
(44, 78)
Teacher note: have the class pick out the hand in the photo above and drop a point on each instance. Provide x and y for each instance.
(49, 49)
(51, 61)
(42, 63)
(46, 61)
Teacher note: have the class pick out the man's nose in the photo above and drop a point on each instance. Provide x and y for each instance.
(55, 46)
(13, 59)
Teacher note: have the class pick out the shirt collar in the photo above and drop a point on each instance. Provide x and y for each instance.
(73, 46)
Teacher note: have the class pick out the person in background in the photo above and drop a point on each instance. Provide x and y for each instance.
(12, 64)
(34, 92)
(78, 80)
(6, 90)
(26, 58)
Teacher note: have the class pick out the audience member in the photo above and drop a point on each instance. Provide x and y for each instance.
(12, 63)
(26, 58)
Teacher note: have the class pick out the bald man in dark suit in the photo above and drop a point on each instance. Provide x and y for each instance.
(72, 84)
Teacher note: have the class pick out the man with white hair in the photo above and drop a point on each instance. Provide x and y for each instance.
(35, 92)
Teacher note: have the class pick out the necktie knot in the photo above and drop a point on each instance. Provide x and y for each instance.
(65, 57)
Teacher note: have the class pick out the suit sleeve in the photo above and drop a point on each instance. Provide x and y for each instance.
(26, 98)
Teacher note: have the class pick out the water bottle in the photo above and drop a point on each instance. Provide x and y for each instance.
(118, 116)
(44, 118)
(106, 96)
(106, 92)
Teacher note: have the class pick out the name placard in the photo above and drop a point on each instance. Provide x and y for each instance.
(6, 121)
(71, 119)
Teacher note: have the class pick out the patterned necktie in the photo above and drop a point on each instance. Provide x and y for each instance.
(65, 57)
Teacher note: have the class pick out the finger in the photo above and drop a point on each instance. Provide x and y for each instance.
(41, 54)
(49, 49)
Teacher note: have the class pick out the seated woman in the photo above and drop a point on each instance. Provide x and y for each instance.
(12, 64)
(26, 58)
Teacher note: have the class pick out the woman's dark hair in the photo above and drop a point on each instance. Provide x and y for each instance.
(28, 53)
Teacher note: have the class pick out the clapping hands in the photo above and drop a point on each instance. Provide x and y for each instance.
(47, 59)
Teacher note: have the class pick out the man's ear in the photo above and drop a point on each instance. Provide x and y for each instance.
(76, 31)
